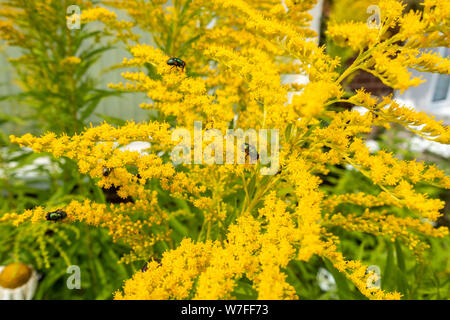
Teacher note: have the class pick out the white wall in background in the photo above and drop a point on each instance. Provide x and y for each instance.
(316, 12)
(433, 96)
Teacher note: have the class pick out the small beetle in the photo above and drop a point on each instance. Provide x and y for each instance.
(106, 172)
(250, 150)
(176, 62)
(145, 267)
(56, 215)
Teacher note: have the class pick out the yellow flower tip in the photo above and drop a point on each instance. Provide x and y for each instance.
(13, 138)
(70, 61)
(15, 275)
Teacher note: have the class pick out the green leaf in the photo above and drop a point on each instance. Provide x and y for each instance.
(111, 120)
(388, 278)
(402, 281)
(92, 103)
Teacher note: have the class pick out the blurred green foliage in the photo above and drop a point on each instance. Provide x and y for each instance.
(58, 95)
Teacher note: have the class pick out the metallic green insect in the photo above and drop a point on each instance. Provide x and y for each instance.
(176, 62)
(56, 215)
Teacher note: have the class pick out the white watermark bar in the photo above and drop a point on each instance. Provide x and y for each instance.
(74, 280)
(73, 17)
(374, 21)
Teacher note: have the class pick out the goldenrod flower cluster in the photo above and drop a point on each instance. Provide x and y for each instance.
(236, 55)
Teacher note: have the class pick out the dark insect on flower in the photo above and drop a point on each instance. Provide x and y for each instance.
(56, 215)
(176, 62)
(145, 267)
(106, 172)
(250, 151)
(49, 233)
(112, 196)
